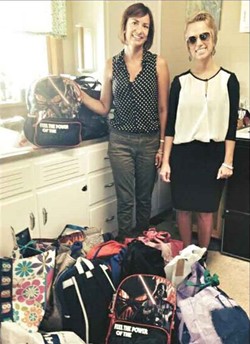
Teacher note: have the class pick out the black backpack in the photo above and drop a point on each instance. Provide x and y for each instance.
(141, 258)
(57, 118)
(143, 311)
(85, 292)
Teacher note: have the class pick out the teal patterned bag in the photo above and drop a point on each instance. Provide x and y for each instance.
(25, 287)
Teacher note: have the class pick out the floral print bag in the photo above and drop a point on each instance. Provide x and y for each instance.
(25, 286)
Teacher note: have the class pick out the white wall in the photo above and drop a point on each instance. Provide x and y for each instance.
(89, 14)
(113, 15)
(104, 18)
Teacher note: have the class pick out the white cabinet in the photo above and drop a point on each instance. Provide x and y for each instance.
(61, 204)
(43, 193)
(103, 215)
(50, 190)
(61, 191)
(101, 186)
(19, 213)
(17, 203)
(101, 189)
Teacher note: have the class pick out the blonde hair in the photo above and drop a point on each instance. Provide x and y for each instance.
(208, 18)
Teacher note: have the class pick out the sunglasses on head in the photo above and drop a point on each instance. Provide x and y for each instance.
(203, 37)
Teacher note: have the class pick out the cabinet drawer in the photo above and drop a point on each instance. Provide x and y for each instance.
(97, 158)
(15, 179)
(101, 186)
(104, 216)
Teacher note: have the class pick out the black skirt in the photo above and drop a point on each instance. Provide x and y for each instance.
(194, 168)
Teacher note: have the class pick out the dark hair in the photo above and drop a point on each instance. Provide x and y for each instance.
(138, 10)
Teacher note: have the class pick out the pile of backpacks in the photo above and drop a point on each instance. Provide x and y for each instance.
(84, 287)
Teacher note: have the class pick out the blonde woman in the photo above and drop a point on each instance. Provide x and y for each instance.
(200, 133)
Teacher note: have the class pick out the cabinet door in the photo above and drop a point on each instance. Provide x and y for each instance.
(18, 212)
(61, 204)
(235, 238)
(237, 197)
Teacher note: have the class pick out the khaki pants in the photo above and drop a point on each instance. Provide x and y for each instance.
(132, 158)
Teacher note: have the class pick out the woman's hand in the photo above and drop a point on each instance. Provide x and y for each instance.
(76, 88)
(165, 172)
(225, 171)
(158, 158)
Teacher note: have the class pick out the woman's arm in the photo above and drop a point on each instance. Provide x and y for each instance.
(163, 89)
(103, 105)
(165, 169)
(226, 169)
(170, 129)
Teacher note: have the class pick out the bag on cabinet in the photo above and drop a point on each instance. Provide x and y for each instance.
(56, 116)
(53, 107)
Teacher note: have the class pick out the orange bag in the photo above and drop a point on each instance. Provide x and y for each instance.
(105, 249)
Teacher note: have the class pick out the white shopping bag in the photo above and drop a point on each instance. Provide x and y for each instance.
(12, 333)
(180, 266)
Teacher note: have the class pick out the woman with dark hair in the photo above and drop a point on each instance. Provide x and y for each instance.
(137, 83)
(200, 133)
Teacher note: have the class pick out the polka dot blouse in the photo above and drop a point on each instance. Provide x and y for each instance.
(135, 103)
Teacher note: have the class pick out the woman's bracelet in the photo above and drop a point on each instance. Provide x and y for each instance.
(162, 141)
(160, 152)
(227, 166)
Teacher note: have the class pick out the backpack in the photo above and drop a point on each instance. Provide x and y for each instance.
(56, 117)
(112, 254)
(143, 311)
(141, 258)
(85, 291)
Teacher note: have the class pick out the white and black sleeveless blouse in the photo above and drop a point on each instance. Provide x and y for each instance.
(135, 103)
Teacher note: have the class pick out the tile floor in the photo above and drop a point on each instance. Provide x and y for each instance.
(234, 273)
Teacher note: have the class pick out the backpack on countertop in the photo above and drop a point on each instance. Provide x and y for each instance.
(56, 117)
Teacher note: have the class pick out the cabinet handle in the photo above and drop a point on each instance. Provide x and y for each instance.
(109, 185)
(109, 219)
(84, 188)
(45, 216)
(106, 158)
(32, 221)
